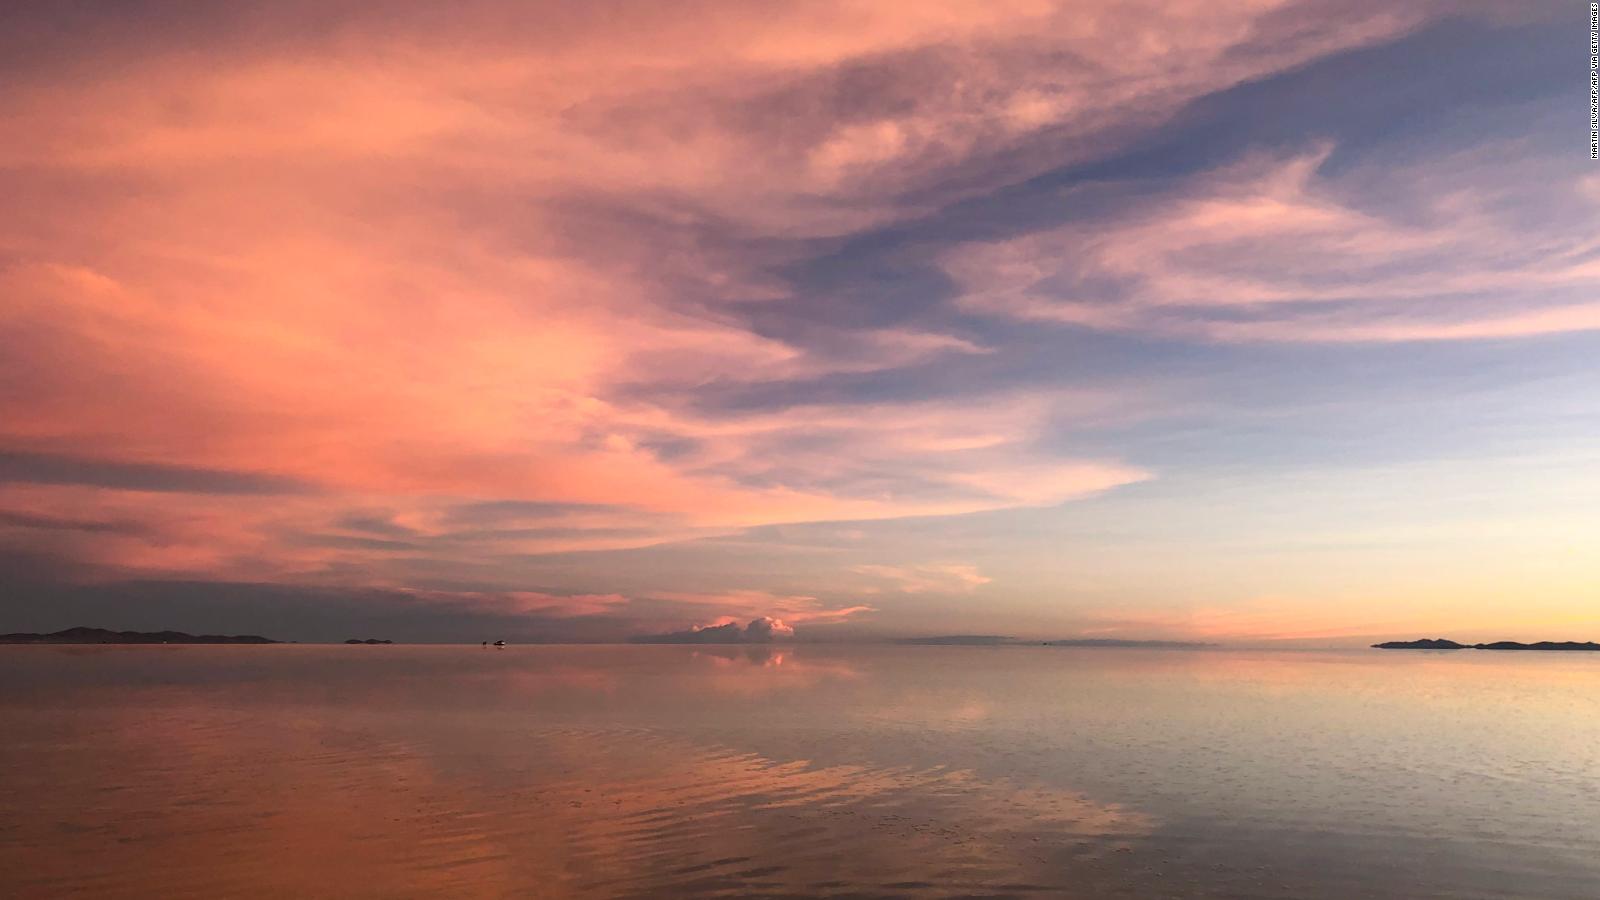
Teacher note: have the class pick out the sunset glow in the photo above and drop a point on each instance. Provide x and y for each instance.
(592, 321)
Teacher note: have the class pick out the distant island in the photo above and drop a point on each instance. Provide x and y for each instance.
(1442, 644)
(106, 636)
(998, 640)
(367, 641)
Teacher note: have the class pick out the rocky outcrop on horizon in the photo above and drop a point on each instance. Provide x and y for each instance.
(1540, 645)
(1422, 644)
(1443, 644)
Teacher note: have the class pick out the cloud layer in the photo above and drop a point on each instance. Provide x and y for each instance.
(447, 307)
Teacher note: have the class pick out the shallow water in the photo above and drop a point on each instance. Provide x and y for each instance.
(812, 771)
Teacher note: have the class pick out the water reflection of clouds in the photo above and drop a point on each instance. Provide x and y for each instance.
(792, 770)
(280, 801)
(175, 796)
(731, 819)
(752, 671)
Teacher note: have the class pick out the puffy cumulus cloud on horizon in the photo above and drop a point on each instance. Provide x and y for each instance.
(760, 630)
(766, 629)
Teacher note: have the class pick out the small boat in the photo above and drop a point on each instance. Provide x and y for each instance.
(499, 643)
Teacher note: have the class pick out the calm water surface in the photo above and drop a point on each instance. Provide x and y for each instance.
(866, 771)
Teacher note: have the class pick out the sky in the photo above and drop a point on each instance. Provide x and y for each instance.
(1256, 323)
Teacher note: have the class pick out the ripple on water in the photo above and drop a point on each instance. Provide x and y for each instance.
(641, 772)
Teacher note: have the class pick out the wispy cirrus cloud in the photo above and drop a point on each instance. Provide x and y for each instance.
(1275, 248)
(956, 578)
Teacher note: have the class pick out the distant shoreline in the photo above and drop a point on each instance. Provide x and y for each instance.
(92, 636)
(107, 636)
(996, 640)
(1444, 644)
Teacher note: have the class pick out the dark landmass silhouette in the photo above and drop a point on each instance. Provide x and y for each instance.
(1442, 644)
(83, 635)
(367, 641)
(997, 640)
(1422, 644)
(1540, 645)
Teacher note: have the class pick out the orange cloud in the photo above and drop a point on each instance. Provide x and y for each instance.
(403, 265)
(732, 606)
(929, 578)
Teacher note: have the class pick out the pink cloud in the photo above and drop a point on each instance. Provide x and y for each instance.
(414, 262)
(732, 606)
(1276, 239)
(519, 602)
(760, 630)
